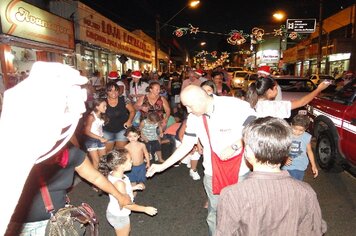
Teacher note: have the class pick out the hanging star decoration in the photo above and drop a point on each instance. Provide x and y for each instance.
(179, 32)
(236, 37)
(278, 32)
(193, 30)
(258, 34)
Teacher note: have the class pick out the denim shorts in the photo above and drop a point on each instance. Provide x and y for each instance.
(93, 144)
(113, 137)
(118, 222)
(37, 228)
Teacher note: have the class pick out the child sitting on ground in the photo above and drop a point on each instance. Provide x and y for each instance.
(113, 165)
(301, 149)
(139, 155)
(149, 128)
(269, 201)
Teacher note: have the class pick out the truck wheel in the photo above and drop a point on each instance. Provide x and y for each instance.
(326, 152)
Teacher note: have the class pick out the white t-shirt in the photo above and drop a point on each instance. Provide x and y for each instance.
(138, 89)
(114, 207)
(278, 109)
(225, 127)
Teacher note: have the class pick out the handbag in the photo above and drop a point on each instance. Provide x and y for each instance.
(69, 220)
(225, 172)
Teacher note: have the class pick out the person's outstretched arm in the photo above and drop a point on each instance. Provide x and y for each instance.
(179, 153)
(307, 98)
(88, 172)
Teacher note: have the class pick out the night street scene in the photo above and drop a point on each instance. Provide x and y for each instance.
(152, 117)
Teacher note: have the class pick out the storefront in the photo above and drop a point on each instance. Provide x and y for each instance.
(30, 34)
(104, 46)
(339, 63)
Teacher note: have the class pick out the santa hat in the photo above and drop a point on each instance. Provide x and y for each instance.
(136, 74)
(113, 75)
(264, 70)
(199, 72)
(349, 73)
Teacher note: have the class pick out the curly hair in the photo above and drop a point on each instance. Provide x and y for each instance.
(112, 160)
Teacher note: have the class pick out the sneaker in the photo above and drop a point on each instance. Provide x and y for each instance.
(150, 155)
(194, 174)
(156, 157)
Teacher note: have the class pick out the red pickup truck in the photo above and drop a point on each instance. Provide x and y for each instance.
(333, 115)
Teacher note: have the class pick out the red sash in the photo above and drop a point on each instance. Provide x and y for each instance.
(225, 172)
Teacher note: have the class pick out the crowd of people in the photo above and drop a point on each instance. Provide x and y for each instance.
(244, 143)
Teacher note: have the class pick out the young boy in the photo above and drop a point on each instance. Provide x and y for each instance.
(269, 201)
(301, 149)
(139, 155)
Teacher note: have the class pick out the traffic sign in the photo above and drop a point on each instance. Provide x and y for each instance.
(301, 25)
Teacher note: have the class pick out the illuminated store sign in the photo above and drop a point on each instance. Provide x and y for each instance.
(23, 20)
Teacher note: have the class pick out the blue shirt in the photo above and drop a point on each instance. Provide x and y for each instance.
(298, 153)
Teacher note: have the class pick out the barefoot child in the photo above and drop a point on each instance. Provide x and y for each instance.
(95, 142)
(139, 155)
(113, 165)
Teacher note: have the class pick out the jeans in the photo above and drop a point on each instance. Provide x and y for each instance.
(213, 204)
(37, 228)
(213, 200)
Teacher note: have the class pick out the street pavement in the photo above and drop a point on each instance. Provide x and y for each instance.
(180, 202)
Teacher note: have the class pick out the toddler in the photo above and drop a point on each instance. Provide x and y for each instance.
(113, 165)
(150, 127)
(139, 155)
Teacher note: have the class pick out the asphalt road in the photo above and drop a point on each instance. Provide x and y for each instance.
(180, 202)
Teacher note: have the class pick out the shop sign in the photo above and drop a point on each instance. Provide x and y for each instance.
(26, 21)
(270, 56)
(100, 31)
(301, 25)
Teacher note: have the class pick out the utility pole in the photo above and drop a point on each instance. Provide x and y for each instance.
(320, 48)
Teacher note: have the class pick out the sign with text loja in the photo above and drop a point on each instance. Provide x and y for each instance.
(301, 25)
(100, 31)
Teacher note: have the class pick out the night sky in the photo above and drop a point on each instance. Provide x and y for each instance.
(219, 16)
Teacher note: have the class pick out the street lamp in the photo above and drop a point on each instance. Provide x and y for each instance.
(191, 4)
(279, 16)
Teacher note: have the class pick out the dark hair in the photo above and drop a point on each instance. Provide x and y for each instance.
(211, 84)
(153, 83)
(153, 117)
(258, 89)
(96, 103)
(239, 93)
(216, 73)
(132, 129)
(111, 85)
(110, 161)
(269, 138)
(301, 120)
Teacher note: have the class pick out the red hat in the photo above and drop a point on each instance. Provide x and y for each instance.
(264, 70)
(199, 72)
(349, 72)
(113, 75)
(136, 74)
